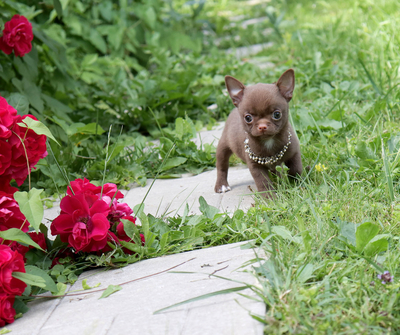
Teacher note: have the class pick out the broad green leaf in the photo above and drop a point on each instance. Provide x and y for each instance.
(163, 241)
(49, 283)
(19, 102)
(38, 127)
(365, 233)
(130, 228)
(97, 40)
(306, 273)
(110, 290)
(33, 93)
(173, 162)
(149, 16)
(282, 232)
(132, 246)
(58, 8)
(31, 206)
(206, 209)
(14, 234)
(89, 60)
(19, 306)
(179, 132)
(85, 286)
(91, 128)
(30, 279)
(374, 248)
(61, 288)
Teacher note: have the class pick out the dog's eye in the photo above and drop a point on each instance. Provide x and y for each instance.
(276, 115)
(248, 118)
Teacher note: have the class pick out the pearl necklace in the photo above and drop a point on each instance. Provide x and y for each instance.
(266, 160)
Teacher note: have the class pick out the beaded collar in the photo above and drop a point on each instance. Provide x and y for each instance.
(266, 160)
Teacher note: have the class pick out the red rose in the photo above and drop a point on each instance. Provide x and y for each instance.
(11, 261)
(5, 155)
(85, 186)
(17, 36)
(118, 211)
(83, 222)
(5, 185)
(10, 215)
(7, 115)
(35, 146)
(7, 312)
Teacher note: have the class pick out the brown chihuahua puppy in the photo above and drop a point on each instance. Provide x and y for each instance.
(258, 132)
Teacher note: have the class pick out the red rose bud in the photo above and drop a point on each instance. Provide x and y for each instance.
(17, 36)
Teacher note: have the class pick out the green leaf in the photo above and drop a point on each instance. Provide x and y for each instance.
(282, 232)
(365, 233)
(306, 273)
(132, 246)
(91, 128)
(58, 8)
(149, 16)
(206, 209)
(19, 102)
(31, 206)
(374, 248)
(33, 93)
(173, 162)
(38, 127)
(130, 228)
(19, 306)
(30, 279)
(61, 288)
(14, 234)
(97, 40)
(110, 290)
(49, 283)
(85, 286)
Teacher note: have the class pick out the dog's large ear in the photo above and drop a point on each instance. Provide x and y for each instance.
(235, 89)
(286, 84)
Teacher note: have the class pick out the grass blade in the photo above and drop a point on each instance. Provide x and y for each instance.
(204, 296)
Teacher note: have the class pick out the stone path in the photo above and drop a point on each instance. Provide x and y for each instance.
(130, 311)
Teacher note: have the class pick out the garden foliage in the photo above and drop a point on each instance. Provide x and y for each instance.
(135, 65)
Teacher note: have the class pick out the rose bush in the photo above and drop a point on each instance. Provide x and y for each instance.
(17, 36)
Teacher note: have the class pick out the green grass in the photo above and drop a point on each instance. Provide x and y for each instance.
(346, 112)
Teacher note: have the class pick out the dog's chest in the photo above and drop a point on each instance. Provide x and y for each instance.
(269, 144)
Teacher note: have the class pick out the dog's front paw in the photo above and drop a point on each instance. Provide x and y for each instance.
(222, 188)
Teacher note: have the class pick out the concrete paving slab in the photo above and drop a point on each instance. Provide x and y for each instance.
(169, 196)
(250, 50)
(130, 311)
